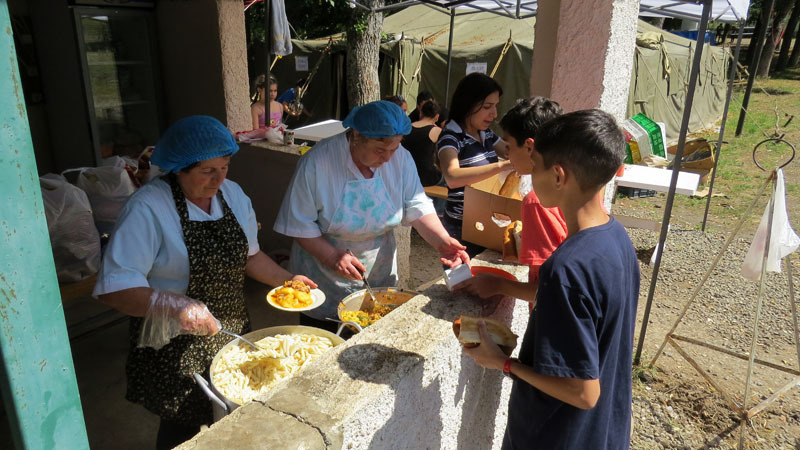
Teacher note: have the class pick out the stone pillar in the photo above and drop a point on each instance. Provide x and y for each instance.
(583, 56)
(203, 53)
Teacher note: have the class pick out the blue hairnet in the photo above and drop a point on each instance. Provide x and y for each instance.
(193, 139)
(378, 120)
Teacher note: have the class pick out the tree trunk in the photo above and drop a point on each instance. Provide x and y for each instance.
(789, 35)
(794, 59)
(781, 11)
(363, 45)
(751, 47)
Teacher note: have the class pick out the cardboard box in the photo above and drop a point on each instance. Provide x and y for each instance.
(487, 214)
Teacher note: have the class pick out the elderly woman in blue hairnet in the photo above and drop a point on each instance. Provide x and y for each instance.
(176, 262)
(348, 193)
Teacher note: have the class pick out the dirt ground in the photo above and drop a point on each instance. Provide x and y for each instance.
(674, 407)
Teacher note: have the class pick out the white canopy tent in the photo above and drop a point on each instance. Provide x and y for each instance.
(728, 11)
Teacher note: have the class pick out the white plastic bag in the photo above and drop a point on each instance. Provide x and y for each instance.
(73, 236)
(108, 188)
(782, 241)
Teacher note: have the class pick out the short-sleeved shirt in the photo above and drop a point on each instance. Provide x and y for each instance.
(147, 249)
(318, 185)
(471, 153)
(582, 327)
(286, 97)
(543, 230)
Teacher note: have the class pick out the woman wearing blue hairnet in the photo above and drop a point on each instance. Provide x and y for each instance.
(176, 262)
(348, 193)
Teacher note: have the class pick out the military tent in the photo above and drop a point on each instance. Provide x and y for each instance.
(414, 58)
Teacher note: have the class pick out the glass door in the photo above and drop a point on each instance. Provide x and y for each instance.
(121, 79)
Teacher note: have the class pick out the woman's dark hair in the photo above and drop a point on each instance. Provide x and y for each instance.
(423, 95)
(396, 99)
(191, 166)
(469, 95)
(430, 109)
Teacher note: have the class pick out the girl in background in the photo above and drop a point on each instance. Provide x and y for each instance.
(466, 146)
(258, 105)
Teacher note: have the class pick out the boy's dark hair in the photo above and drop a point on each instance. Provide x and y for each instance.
(588, 143)
(429, 109)
(423, 95)
(523, 120)
(469, 95)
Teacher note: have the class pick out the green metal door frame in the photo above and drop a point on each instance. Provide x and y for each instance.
(37, 377)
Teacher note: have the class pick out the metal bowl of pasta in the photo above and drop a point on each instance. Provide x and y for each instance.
(240, 373)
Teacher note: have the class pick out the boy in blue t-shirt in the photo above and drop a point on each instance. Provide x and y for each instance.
(572, 385)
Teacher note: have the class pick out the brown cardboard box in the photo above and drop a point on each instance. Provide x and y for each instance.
(481, 206)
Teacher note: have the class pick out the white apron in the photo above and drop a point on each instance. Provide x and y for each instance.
(363, 223)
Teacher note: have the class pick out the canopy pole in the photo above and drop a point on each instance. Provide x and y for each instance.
(687, 111)
(731, 77)
(753, 68)
(449, 55)
(267, 50)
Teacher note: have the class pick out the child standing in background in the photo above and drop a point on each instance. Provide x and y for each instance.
(258, 105)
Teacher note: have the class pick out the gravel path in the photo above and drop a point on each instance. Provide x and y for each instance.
(674, 407)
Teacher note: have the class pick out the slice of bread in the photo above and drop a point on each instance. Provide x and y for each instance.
(469, 335)
(512, 241)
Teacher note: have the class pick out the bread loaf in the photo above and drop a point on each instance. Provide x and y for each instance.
(470, 336)
(512, 241)
(510, 187)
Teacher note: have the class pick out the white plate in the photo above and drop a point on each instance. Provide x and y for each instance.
(317, 296)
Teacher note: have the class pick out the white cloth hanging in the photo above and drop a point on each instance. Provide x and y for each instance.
(281, 38)
(783, 239)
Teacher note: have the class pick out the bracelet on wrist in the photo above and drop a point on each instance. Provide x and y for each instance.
(507, 368)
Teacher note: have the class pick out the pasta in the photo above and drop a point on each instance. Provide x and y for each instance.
(242, 374)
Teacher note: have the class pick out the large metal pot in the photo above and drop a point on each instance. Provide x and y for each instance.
(355, 302)
(222, 405)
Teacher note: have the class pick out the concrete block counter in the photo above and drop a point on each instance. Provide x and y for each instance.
(401, 383)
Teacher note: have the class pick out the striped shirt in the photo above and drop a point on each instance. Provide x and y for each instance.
(471, 153)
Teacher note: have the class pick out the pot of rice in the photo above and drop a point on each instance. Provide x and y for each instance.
(239, 373)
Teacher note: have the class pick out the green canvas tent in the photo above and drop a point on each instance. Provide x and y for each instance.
(414, 58)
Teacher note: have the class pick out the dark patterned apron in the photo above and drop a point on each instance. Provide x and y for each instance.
(161, 380)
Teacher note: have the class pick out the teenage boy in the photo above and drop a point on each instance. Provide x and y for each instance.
(572, 385)
(543, 229)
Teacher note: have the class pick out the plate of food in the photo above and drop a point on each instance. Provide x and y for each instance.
(295, 295)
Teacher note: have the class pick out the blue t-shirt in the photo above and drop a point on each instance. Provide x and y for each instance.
(287, 96)
(471, 153)
(582, 327)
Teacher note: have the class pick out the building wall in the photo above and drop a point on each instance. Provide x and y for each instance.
(203, 60)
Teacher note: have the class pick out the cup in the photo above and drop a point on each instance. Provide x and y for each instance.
(288, 137)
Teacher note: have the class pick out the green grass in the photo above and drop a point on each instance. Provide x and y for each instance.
(737, 176)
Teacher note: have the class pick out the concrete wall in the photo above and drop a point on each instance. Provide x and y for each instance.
(402, 383)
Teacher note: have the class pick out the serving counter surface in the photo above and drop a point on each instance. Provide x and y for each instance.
(402, 380)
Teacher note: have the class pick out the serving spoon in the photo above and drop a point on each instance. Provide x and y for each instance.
(241, 338)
